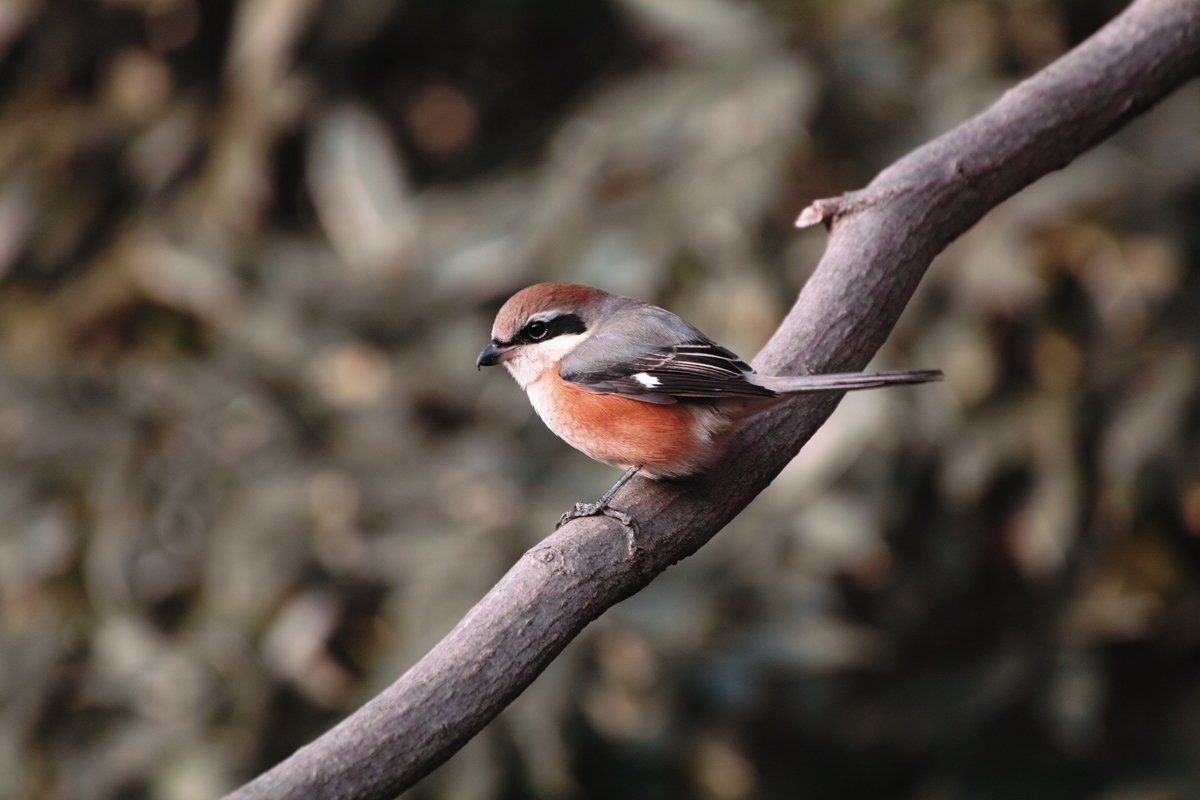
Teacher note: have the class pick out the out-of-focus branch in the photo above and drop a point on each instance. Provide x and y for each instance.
(882, 239)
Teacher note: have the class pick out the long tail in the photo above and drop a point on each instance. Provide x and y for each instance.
(844, 381)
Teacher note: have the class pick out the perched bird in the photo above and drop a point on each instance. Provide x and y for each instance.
(634, 386)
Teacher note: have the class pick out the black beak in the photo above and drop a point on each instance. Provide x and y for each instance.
(490, 357)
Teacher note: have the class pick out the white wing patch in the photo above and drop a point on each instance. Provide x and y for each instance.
(649, 381)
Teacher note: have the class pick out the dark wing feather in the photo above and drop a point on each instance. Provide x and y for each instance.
(696, 370)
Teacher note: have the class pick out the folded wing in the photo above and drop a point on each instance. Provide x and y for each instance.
(659, 358)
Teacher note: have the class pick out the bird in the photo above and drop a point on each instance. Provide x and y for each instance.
(634, 386)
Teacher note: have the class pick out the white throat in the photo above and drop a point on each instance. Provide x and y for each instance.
(530, 361)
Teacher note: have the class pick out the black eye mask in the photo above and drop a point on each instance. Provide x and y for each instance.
(562, 325)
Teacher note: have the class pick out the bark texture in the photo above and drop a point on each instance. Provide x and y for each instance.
(882, 239)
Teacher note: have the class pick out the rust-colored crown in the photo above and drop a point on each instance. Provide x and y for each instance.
(570, 298)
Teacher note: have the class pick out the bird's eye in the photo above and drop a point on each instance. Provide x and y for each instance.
(536, 329)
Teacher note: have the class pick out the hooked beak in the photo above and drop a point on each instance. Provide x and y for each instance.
(491, 356)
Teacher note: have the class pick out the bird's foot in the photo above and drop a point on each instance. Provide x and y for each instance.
(603, 509)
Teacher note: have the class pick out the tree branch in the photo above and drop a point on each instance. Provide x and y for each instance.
(882, 240)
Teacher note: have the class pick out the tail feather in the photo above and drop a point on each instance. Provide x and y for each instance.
(843, 381)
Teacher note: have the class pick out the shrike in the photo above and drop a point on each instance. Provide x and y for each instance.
(634, 386)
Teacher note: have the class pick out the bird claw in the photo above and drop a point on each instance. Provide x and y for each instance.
(599, 509)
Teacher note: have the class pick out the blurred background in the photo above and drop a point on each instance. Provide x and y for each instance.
(248, 472)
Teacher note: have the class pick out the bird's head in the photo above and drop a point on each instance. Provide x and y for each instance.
(540, 325)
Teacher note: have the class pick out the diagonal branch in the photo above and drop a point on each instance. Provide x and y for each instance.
(882, 240)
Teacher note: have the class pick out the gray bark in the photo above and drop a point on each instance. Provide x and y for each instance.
(882, 239)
